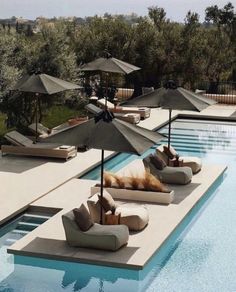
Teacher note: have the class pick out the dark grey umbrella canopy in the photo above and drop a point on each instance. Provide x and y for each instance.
(107, 133)
(176, 99)
(109, 65)
(43, 83)
(173, 98)
(114, 135)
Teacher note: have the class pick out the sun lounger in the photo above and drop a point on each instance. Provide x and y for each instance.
(44, 132)
(132, 215)
(25, 146)
(130, 117)
(105, 237)
(144, 111)
(193, 162)
(169, 174)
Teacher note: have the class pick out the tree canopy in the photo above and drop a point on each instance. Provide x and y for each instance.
(190, 52)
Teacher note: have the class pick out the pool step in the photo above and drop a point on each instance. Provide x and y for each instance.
(31, 215)
(18, 231)
(23, 226)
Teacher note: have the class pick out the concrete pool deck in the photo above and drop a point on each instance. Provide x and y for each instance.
(48, 240)
(26, 180)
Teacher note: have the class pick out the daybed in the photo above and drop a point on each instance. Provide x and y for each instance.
(142, 187)
(132, 215)
(25, 146)
(144, 111)
(105, 237)
(168, 174)
(193, 162)
(138, 195)
(130, 117)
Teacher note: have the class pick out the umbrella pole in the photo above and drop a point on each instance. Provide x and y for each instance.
(101, 189)
(169, 132)
(36, 117)
(106, 91)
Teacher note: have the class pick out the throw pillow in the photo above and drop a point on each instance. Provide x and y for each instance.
(83, 218)
(170, 152)
(107, 202)
(162, 155)
(157, 162)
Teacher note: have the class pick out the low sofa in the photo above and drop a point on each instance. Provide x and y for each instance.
(105, 237)
(193, 162)
(132, 215)
(169, 174)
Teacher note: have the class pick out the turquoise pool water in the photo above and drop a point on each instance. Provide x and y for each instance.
(199, 256)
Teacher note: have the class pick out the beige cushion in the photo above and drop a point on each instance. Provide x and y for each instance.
(132, 215)
(194, 163)
(106, 237)
(170, 152)
(83, 218)
(107, 202)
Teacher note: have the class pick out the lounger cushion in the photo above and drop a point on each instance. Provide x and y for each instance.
(194, 163)
(106, 237)
(169, 175)
(158, 162)
(132, 215)
(18, 139)
(107, 202)
(83, 218)
(170, 152)
(162, 155)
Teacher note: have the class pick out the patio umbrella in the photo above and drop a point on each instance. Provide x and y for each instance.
(39, 83)
(109, 65)
(108, 133)
(172, 97)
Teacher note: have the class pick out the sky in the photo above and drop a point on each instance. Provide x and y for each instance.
(175, 9)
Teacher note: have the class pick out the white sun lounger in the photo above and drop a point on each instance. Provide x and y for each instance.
(143, 111)
(131, 117)
(25, 146)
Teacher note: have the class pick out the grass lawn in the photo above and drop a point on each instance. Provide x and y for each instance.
(53, 117)
(3, 128)
(57, 115)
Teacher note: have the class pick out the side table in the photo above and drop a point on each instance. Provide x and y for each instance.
(112, 219)
(176, 162)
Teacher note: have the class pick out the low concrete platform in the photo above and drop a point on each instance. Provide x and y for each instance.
(48, 240)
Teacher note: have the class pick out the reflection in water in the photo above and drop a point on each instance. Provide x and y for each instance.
(49, 275)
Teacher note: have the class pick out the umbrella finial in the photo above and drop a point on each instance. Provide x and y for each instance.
(105, 115)
(170, 84)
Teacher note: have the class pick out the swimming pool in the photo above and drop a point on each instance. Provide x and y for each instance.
(201, 259)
